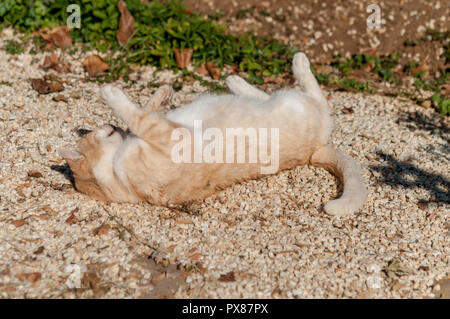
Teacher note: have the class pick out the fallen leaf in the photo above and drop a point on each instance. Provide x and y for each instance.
(395, 269)
(347, 110)
(39, 251)
(184, 57)
(422, 206)
(51, 62)
(196, 256)
(43, 216)
(183, 221)
(34, 174)
(31, 277)
(277, 80)
(158, 277)
(126, 24)
(19, 222)
(201, 267)
(95, 65)
(202, 70)
(230, 222)
(73, 218)
(228, 277)
(90, 280)
(424, 268)
(60, 98)
(45, 87)
(58, 36)
(426, 103)
(300, 245)
(213, 70)
(102, 230)
(445, 89)
(188, 80)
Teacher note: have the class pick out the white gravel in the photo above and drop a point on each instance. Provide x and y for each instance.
(271, 233)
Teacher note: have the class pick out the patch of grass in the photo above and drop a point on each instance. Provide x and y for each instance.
(162, 26)
(14, 47)
(212, 85)
(5, 83)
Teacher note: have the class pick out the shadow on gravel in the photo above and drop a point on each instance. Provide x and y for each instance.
(403, 174)
(66, 171)
(436, 125)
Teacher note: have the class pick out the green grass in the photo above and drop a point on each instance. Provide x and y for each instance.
(160, 27)
(14, 47)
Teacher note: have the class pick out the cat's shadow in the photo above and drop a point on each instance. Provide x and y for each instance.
(66, 171)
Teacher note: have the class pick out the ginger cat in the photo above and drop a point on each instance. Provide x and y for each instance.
(111, 165)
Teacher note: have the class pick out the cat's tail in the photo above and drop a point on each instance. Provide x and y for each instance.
(346, 169)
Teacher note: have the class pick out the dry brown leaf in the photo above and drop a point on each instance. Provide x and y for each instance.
(347, 110)
(126, 24)
(202, 70)
(58, 36)
(39, 251)
(422, 206)
(184, 57)
(228, 277)
(31, 277)
(19, 222)
(159, 277)
(35, 174)
(171, 248)
(102, 230)
(196, 256)
(188, 80)
(73, 218)
(445, 89)
(213, 70)
(201, 267)
(52, 62)
(277, 80)
(230, 222)
(183, 221)
(45, 87)
(90, 280)
(60, 98)
(95, 65)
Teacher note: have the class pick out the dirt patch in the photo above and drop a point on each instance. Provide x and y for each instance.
(325, 28)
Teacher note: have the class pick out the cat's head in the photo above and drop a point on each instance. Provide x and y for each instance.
(92, 161)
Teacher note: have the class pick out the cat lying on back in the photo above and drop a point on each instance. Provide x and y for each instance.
(111, 165)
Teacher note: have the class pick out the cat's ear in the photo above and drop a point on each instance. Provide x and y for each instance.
(72, 156)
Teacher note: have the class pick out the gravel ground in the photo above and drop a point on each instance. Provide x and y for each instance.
(266, 239)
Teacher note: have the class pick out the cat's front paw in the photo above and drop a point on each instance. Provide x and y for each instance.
(111, 94)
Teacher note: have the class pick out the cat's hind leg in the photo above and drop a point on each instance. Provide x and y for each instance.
(239, 86)
(161, 96)
(302, 72)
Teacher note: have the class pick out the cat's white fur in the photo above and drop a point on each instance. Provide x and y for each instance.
(303, 118)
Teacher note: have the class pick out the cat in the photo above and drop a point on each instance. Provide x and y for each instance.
(114, 166)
